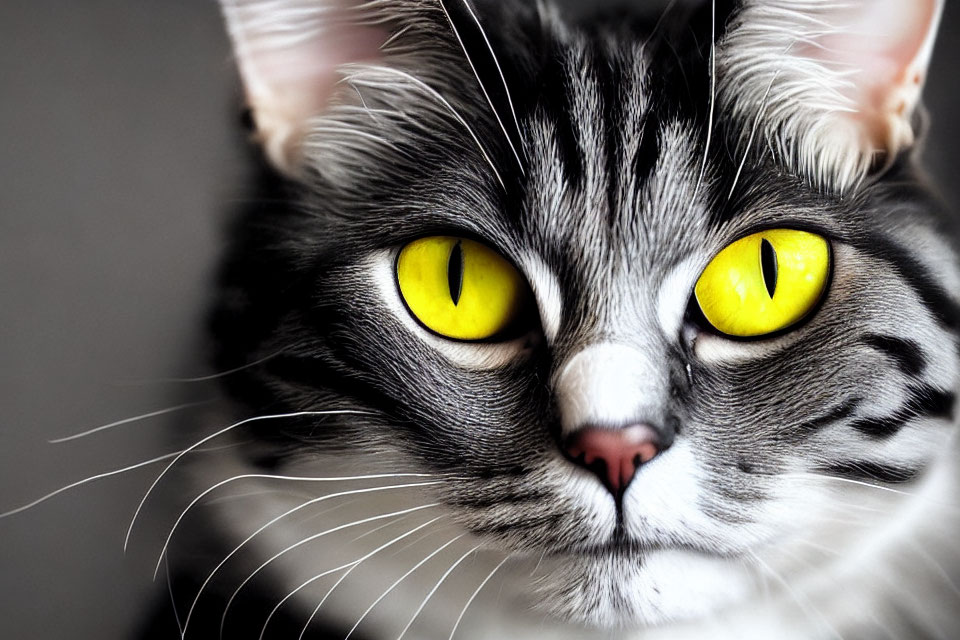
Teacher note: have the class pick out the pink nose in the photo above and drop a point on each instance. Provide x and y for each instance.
(614, 454)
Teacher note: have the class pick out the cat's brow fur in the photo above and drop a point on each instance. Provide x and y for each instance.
(809, 488)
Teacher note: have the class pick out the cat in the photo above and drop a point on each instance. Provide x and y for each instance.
(593, 326)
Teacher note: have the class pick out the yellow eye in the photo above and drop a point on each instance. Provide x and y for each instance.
(764, 283)
(459, 288)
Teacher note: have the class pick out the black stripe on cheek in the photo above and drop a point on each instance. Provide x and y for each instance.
(906, 353)
(889, 474)
(838, 413)
(924, 402)
(933, 296)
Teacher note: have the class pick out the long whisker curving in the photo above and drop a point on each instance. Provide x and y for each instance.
(200, 443)
(173, 600)
(237, 549)
(101, 476)
(473, 596)
(804, 603)
(300, 544)
(350, 570)
(397, 583)
(434, 94)
(125, 421)
(302, 479)
(443, 579)
(303, 586)
(483, 87)
(349, 566)
(219, 374)
(851, 481)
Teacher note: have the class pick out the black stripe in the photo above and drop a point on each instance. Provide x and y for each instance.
(557, 103)
(648, 153)
(924, 402)
(889, 474)
(840, 412)
(609, 78)
(906, 353)
(933, 296)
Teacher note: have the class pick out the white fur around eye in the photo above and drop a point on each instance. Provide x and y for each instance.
(546, 290)
(674, 295)
(467, 355)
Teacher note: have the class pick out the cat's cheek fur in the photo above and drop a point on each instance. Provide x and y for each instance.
(627, 191)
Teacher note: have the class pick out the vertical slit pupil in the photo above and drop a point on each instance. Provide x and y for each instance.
(768, 263)
(455, 273)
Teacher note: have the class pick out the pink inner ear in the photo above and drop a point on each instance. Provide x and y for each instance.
(885, 45)
(296, 82)
(289, 53)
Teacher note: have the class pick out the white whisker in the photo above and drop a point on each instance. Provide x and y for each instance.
(200, 443)
(120, 423)
(804, 603)
(433, 93)
(389, 524)
(859, 483)
(272, 522)
(753, 133)
(295, 546)
(443, 579)
(80, 483)
(303, 586)
(483, 88)
(173, 600)
(539, 562)
(220, 374)
(463, 612)
(313, 615)
(936, 566)
(713, 99)
(301, 479)
(397, 583)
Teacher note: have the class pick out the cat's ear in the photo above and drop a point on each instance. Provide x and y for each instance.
(833, 84)
(289, 52)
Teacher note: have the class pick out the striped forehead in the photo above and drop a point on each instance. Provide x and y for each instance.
(612, 179)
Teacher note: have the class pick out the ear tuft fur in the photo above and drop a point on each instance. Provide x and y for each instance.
(834, 84)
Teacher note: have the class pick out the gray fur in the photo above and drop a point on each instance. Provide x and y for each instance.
(741, 527)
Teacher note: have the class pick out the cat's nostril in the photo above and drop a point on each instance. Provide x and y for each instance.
(614, 455)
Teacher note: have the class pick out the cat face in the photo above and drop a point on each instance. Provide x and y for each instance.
(609, 165)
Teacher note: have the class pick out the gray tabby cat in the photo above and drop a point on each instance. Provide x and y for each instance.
(575, 327)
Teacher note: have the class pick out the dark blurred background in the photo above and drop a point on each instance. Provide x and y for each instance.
(120, 153)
